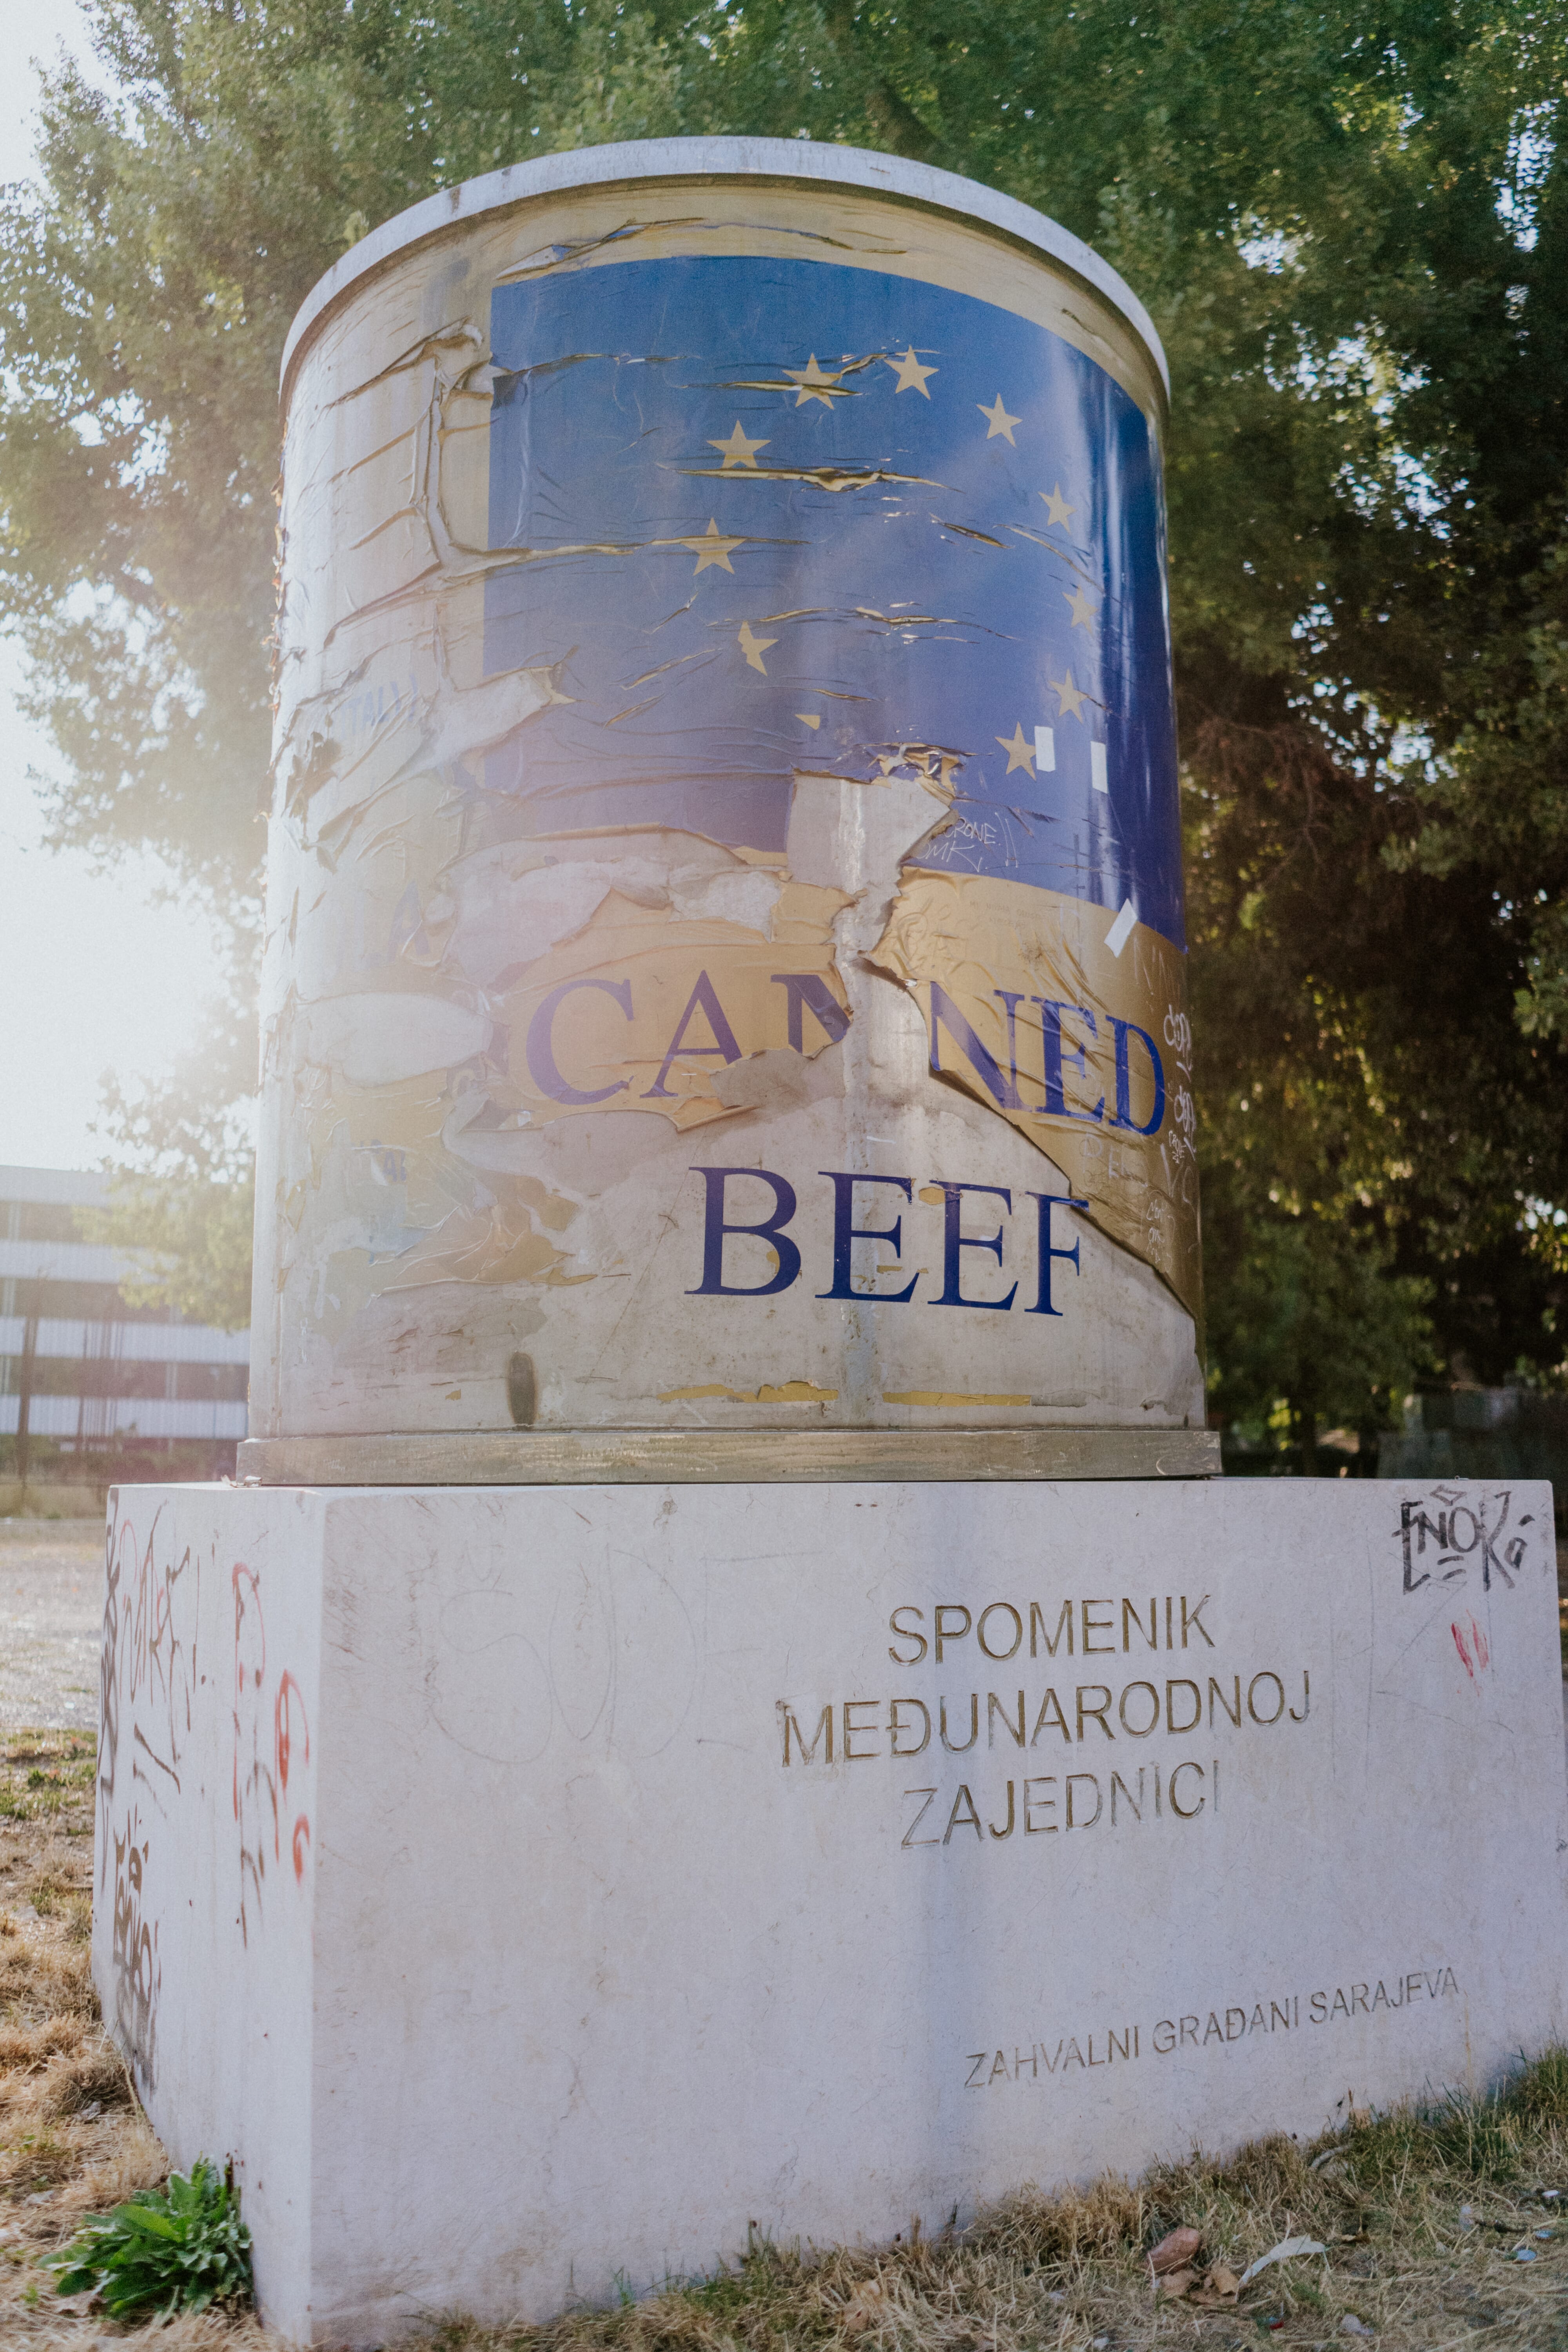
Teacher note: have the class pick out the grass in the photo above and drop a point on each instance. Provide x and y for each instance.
(48, 1776)
(1420, 2210)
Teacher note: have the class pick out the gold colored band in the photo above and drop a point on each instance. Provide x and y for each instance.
(536, 1457)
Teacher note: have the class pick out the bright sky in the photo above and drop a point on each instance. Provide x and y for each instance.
(92, 974)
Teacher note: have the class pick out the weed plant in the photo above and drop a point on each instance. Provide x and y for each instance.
(162, 2253)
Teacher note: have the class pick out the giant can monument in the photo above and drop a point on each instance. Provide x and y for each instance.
(725, 895)
(728, 1695)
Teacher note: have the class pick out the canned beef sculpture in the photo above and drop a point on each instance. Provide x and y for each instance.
(725, 959)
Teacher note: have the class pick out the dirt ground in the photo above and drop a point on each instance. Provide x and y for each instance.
(51, 1613)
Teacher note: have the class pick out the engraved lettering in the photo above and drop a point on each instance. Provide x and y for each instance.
(1140, 1730)
(1192, 1620)
(896, 1727)
(994, 1708)
(1073, 1778)
(945, 1632)
(1007, 1609)
(964, 1816)
(1192, 1721)
(1186, 1812)
(1136, 1805)
(1050, 1712)
(909, 1838)
(1265, 1677)
(824, 1733)
(1038, 1627)
(853, 1731)
(1094, 1714)
(1130, 1616)
(1094, 1625)
(1033, 1828)
(961, 1747)
(907, 1633)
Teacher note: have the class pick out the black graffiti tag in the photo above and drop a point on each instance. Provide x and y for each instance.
(1459, 1529)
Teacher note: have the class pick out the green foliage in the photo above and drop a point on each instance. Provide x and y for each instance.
(191, 1235)
(1313, 1314)
(161, 2253)
(1353, 232)
(183, 1201)
(1486, 2134)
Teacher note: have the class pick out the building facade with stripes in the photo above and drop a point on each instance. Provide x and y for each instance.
(82, 1372)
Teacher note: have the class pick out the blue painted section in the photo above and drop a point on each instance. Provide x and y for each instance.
(899, 552)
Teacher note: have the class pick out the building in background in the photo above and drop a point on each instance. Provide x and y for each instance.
(84, 1378)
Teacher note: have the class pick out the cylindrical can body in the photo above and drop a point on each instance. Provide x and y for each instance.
(725, 959)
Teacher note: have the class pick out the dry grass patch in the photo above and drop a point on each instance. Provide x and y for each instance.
(47, 1776)
(1421, 2215)
(73, 2139)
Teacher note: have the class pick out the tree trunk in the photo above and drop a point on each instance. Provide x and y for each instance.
(900, 128)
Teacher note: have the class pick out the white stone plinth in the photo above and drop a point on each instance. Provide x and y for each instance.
(530, 1885)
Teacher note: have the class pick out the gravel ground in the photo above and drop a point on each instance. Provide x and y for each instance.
(51, 1611)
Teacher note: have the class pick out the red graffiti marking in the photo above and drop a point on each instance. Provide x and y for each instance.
(1478, 1644)
(271, 1743)
(289, 1703)
(258, 1631)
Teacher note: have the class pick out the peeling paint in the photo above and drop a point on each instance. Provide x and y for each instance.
(697, 745)
(948, 1397)
(780, 1392)
(1083, 1048)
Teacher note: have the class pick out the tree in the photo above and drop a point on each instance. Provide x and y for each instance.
(183, 1202)
(1349, 224)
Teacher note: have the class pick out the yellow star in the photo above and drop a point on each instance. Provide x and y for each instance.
(1059, 513)
(711, 548)
(1000, 422)
(737, 450)
(754, 648)
(814, 385)
(1082, 610)
(808, 718)
(1020, 750)
(911, 376)
(1072, 699)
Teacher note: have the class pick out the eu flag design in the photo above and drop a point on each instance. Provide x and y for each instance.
(773, 518)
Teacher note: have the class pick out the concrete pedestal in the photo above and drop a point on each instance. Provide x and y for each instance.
(530, 1885)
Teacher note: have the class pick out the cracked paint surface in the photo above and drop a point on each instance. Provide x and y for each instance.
(724, 715)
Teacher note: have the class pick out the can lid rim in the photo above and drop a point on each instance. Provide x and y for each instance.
(721, 158)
